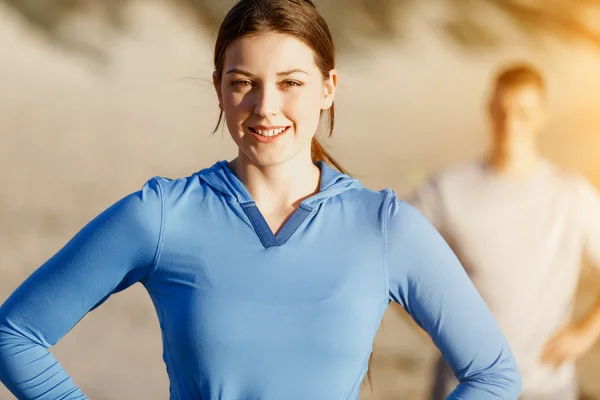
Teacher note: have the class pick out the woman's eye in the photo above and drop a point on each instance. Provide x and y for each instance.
(290, 84)
(242, 83)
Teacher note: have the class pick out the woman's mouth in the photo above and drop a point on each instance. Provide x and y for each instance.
(268, 134)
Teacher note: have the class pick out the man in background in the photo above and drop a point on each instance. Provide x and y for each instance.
(520, 226)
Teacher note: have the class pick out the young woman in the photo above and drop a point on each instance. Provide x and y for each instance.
(270, 273)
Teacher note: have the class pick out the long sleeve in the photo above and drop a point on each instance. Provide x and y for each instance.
(427, 279)
(115, 250)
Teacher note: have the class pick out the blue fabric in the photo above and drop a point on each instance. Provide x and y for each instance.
(248, 315)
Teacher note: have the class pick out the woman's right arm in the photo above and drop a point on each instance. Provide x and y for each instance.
(115, 250)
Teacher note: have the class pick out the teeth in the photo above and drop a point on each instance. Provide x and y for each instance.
(270, 132)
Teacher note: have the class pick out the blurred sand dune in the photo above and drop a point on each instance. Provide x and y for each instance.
(73, 140)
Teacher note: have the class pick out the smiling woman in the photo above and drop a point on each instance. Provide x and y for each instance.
(276, 100)
(269, 273)
(306, 43)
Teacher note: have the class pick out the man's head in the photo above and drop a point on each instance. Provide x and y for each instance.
(517, 107)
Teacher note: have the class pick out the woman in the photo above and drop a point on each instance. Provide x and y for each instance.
(270, 274)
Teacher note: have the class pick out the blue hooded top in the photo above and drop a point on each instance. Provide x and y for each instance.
(247, 314)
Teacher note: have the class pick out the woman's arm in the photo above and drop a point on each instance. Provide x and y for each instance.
(115, 250)
(426, 278)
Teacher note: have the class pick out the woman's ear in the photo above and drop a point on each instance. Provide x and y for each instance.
(329, 89)
(217, 84)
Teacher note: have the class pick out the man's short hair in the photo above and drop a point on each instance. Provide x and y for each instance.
(519, 74)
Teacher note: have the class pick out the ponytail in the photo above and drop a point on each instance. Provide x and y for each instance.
(318, 152)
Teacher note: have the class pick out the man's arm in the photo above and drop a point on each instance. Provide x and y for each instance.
(575, 339)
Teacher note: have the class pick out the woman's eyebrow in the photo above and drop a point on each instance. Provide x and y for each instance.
(251, 75)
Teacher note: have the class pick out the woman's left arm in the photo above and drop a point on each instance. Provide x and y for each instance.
(426, 278)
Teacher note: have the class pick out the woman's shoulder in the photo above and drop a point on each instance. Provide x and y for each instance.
(386, 198)
(399, 211)
(386, 202)
(168, 187)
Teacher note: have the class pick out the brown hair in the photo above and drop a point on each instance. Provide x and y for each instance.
(298, 18)
(518, 75)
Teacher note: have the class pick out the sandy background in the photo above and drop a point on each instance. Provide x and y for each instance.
(74, 138)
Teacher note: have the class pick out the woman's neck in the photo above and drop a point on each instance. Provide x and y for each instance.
(281, 186)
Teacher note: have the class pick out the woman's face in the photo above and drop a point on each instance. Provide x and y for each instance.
(272, 95)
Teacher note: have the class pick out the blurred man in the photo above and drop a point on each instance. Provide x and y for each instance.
(520, 226)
